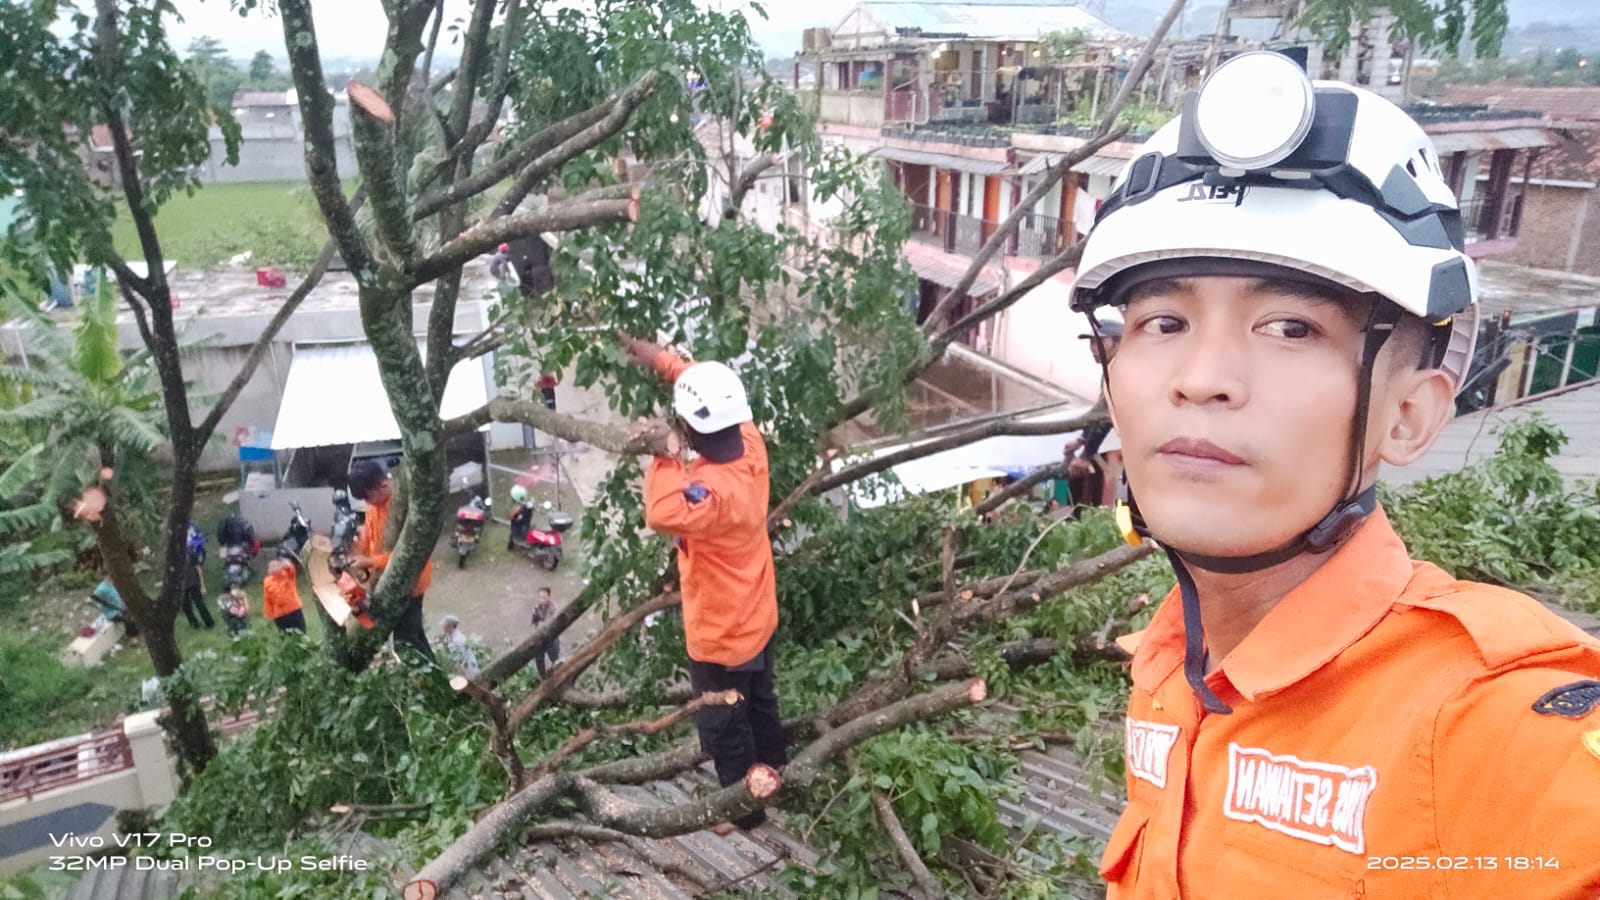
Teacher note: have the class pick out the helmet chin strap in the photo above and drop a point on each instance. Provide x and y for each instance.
(1328, 533)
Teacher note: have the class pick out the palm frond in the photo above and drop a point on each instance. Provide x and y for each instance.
(26, 519)
(134, 429)
(22, 472)
(97, 354)
(51, 408)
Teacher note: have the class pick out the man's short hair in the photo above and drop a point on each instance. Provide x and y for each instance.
(365, 477)
(544, 590)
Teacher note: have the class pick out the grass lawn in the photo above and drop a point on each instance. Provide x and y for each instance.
(41, 699)
(277, 220)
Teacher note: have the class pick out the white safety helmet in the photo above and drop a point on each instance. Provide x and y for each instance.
(710, 397)
(1265, 166)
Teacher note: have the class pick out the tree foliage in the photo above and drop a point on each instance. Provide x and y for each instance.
(1445, 25)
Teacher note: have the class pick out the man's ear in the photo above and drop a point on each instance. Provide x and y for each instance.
(1420, 403)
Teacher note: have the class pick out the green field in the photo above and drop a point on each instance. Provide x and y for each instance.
(277, 220)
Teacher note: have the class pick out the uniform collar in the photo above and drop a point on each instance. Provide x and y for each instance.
(1310, 626)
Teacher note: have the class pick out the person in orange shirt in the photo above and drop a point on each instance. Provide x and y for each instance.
(281, 596)
(372, 483)
(1314, 714)
(715, 509)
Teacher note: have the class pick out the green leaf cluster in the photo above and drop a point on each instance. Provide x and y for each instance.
(1509, 519)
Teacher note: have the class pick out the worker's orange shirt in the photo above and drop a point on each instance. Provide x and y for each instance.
(717, 512)
(280, 594)
(369, 543)
(1395, 733)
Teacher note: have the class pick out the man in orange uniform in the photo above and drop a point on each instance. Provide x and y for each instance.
(715, 509)
(281, 597)
(1314, 714)
(370, 482)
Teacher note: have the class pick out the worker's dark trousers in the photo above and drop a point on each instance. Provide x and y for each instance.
(751, 731)
(409, 628)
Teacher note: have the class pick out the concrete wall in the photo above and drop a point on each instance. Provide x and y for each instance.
(852, 107)
(271, 159)
(1560, 230)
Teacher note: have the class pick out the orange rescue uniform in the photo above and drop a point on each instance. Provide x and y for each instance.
(1395, 733)
(717, 512)
(280, 594)
(369, 543)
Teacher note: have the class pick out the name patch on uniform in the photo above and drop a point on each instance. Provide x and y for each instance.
(1149, 746)
(1318, 802)
(1571, 701)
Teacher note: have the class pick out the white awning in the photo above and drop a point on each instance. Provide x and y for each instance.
(1094, 165)
(942, 160)
(333, 395)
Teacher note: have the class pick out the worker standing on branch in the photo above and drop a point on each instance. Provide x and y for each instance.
(715, 509)
(1314, 714)
(370, 481)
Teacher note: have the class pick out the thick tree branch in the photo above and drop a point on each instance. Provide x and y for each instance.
(1062, 261)
(433, 42)
(584, 211)
(475, 44)
(737, 800)
(581, 142)
(545, 151)
(565, 671)
(612, 811)
(573, 745)
(746, 181)
(316, 109)
(499, 85)
(960, 438)
(373, 128)
(606, 437)
(1021, 487)
(1015, 601)
(108, 62)
(1007, 228)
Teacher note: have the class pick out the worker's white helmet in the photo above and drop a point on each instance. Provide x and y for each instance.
(1267, 168)
(710, 397)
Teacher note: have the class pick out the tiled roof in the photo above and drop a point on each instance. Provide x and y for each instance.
(1563, 104)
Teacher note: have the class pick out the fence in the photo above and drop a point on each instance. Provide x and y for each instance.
(1038, 236)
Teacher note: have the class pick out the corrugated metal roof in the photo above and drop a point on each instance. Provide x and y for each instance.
(942, 160)
(946, 269)
(1471, 438)
(333, 395)
(1507, 139)
(1095, 165)
(995, 21)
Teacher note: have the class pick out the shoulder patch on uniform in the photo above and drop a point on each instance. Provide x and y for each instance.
(696, 493)
(1570, 701)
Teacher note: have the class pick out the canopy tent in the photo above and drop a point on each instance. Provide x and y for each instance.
(333, 395)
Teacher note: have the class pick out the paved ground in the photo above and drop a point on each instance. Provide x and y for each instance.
(494, 594)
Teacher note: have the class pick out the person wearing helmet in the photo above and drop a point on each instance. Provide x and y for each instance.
(1313, 713)
(500, 263)
(370, 481)
(715, 509)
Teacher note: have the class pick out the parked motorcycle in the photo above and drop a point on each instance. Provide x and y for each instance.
(236, 569)
(295, 537)
(240, 545)
(346, 522)
(470, 519)
(543, 545)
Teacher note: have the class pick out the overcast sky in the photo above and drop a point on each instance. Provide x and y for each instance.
(355, 28)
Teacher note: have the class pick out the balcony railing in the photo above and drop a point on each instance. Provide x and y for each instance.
(1477, 218)
(1038, 236)
(61, 763)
